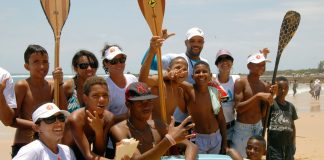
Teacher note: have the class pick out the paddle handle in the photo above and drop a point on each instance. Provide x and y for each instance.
(161, 87)
(57, 64)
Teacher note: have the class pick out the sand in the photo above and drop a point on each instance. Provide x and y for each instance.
(309, 126)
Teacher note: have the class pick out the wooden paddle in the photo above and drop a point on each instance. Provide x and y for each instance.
(287, 31)
(153, 12)
(56, 12)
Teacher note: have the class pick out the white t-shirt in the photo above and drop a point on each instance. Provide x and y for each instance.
(36, 150)
(117, 95)
(228, 107)
(9, 92)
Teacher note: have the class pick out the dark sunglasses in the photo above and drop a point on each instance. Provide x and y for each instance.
(116, 60)
(223, 58)
(52, 119)
(86, 65)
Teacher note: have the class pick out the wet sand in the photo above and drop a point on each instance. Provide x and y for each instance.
(309, 126)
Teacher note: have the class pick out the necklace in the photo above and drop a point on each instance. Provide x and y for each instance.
(140, 134)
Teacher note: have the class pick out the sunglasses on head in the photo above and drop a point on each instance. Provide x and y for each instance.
(116, 60)
(52, 119)
(86, 65)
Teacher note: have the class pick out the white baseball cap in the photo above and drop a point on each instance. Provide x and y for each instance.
(194, 32)
(112, 52)
(47, 110)
(257, 58)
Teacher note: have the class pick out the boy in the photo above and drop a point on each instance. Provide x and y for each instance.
(88, 126)
(252, 97)
(282, 130)
(7, 97)
(176, 73)
(256, 148)
(32, 92)
(203, 105)
(154, 137)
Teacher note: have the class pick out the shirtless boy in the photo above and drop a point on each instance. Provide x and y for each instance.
(89, 125)
(252, 96)
(210, 125)
(176, 73)
(154, 137)
(33, 92)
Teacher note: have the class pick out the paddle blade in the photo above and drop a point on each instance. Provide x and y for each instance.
(56, 12)
(153, 12)
(288, 28)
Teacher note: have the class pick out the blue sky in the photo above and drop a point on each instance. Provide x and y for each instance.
(243, 27)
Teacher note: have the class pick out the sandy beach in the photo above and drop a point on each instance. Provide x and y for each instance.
(309, 129)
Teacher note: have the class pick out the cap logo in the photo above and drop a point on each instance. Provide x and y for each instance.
(112, 50)
(258, 57)
(141, 89)
(49, 107)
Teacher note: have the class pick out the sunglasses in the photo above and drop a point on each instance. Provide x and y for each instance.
(116, 60)
(52, 119)
(86, 65)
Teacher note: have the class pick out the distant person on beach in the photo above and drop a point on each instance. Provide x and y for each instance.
(281, 130)
(203, 105)
(195, 39)
(317, 89)
(87, 128)
(85, 65)
(7, 97)
(48, 123)
(295, 85)
(252, 97)
(154, 136)
(311, 87)
(224, 62)
(32, 92)
(114, 62)
(176, 73)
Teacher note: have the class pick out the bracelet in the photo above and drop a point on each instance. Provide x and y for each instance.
(171, 140)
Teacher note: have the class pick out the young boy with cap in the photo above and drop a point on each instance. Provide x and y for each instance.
(252, 97)
(154, 137)
(7, 97)
(49, 123)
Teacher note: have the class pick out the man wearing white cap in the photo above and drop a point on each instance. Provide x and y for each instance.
(7, 98)
(252, 96)
(195, 39)
(49, 122)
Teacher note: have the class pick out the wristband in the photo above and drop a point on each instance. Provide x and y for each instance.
(171, 140)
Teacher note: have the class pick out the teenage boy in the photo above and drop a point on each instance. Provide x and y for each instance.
(154, 137)
(282, 130)
(252, 97)
(32, 92)
(88, 126)
(203, 104)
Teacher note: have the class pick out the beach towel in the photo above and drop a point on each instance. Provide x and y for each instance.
(213, 92)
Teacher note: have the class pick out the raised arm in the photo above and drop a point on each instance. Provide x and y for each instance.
(6, 113)
(155, 43)
(58, 74)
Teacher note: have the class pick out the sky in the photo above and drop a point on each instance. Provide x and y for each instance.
(241, 26)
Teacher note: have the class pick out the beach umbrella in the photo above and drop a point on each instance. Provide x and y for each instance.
(288, 28)
(56, 12)
(153, 12)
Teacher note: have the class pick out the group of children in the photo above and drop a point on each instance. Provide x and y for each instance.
(188, 85)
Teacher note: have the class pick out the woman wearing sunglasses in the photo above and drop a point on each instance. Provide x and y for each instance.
(49, 122)
(114, 65)
(85, 65)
